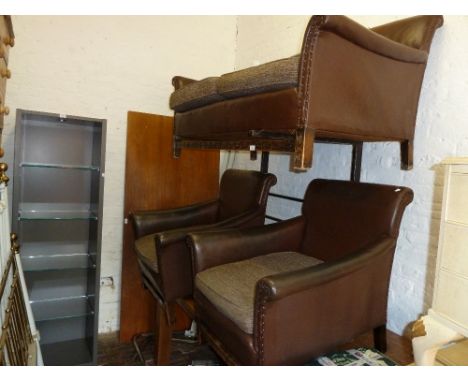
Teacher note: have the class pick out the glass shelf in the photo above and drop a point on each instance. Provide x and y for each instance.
(61, 308)
(57, 211)
(59, 166)
(57, 215)
(57, 261)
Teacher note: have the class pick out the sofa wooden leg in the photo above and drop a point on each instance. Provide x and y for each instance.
(163, 335)
(304, 147)
(380, 338)
(406, 150)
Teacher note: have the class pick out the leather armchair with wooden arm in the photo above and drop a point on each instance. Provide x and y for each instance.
(285, 293)
(163, 255)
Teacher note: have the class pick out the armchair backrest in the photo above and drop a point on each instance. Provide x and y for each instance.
(342, 216)
(416, 32)
(243, 190)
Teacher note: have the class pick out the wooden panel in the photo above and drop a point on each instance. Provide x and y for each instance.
(457, 203)
(155, 180)
(450, 297)
(454, 247)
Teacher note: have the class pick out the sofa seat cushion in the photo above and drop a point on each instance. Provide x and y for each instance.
(272, 76)
(269, 77)
(195, 94)
(231, 287)
(146, 251)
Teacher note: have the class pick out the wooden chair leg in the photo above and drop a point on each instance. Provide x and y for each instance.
(380, 338)
(406, 151)
(163, 335)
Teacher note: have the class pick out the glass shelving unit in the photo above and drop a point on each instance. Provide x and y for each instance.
(57, 213)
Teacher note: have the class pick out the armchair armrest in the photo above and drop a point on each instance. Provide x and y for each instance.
(284, 284)
(320, 307)
(147, 222)
(175, 266)
(210, 249)
(247, 219)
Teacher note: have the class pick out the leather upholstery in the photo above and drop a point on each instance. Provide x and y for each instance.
(354, 84)
(161, 248)
(353, 228)
(415, 32)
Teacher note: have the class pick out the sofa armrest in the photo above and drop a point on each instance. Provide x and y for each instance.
(321, 307)
(148, 222)
(374, 81)
(210, 249)
(416, 32)
(370, 40)
(179, 82)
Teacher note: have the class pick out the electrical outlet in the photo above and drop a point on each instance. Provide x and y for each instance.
(107, 281)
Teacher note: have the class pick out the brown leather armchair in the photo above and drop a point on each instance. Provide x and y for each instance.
(348, 84)
(285, 293)
(163, 256)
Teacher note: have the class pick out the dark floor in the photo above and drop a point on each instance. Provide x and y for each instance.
(113, 353)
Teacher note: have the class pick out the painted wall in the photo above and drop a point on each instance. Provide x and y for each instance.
(101, 67)
(441, 131)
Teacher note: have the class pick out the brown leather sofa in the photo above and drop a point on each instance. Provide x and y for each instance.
(163, 256)
(285, 293)
(348, 84)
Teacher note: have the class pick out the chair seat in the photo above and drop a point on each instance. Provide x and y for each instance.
(231, 287)
(146, 251)
(272, 76)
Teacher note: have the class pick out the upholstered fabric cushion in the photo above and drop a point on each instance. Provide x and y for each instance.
(146, 251)
(195, 94)
(231, 287)
(275, 75)
(272, 76)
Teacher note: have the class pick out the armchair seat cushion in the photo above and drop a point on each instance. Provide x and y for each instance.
(272, 76)
(231, 287)
(146, 251)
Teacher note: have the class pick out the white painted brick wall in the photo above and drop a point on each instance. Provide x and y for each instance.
(441, 131)
(101, 67)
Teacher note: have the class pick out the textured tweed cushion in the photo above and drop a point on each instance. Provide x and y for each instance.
(231, 287)
(195, 94)
(275, 75)
(146, 251)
